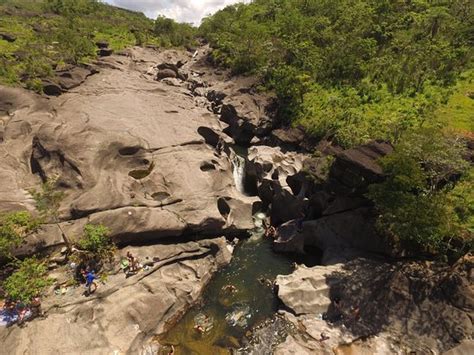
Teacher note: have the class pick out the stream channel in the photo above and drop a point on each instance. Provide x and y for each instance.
(240, 296)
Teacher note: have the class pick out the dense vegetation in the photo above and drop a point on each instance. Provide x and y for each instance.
(29, 278)
(422, 203)
(50, 34)
(350, 71)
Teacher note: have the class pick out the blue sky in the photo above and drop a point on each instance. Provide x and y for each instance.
(191, 11)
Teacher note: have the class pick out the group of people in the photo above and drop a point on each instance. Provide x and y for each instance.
(12, 312)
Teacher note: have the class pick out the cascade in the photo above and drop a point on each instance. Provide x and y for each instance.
(238, 170)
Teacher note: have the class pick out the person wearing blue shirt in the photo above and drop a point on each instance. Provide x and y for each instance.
(90, 284)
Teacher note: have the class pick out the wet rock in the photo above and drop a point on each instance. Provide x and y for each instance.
(272, 170)
(7, 37)
(288, 239)
(286, 206)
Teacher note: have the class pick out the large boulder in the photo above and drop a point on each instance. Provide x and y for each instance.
(170, 70)
(73, 77)
(354, 169)
(247, 113)
(353, 228)
(340, 236)
(306, 290)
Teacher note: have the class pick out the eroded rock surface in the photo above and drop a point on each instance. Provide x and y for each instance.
(411, 306)
(123, 314)
(139, 156)
(127, 150)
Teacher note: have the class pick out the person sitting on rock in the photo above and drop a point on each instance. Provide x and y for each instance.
(338, 309)
(36, 307)
(125, 265)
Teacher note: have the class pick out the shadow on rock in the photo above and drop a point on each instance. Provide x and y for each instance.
(419, 302)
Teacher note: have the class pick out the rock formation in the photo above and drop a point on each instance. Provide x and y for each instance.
(134, 154)
(430, 304)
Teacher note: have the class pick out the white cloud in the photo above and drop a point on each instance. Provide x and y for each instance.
(191, 11)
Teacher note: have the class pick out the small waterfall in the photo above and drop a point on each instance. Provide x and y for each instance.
(238, 170)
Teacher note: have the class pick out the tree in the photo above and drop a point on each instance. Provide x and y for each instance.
(14, 227)
(96, 242)
(48, 201)
(28, 281)
(173, 33)
(416, 204)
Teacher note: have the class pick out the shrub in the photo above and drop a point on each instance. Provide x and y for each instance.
(28, 281)
(96, 242)
(48, 200)
(13, 229)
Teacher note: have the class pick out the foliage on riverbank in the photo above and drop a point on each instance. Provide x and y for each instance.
(95, 242)
(427, 199)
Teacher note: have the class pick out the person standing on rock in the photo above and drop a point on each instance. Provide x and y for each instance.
(133, 262)
(91, 286)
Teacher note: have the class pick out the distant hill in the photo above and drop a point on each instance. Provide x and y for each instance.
(37, 37)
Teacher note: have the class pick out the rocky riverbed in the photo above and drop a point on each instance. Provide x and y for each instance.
(144, 143)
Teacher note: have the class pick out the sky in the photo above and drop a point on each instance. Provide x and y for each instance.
(191, 11)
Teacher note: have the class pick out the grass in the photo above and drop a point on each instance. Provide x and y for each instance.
(458, 114)
(45, 41)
